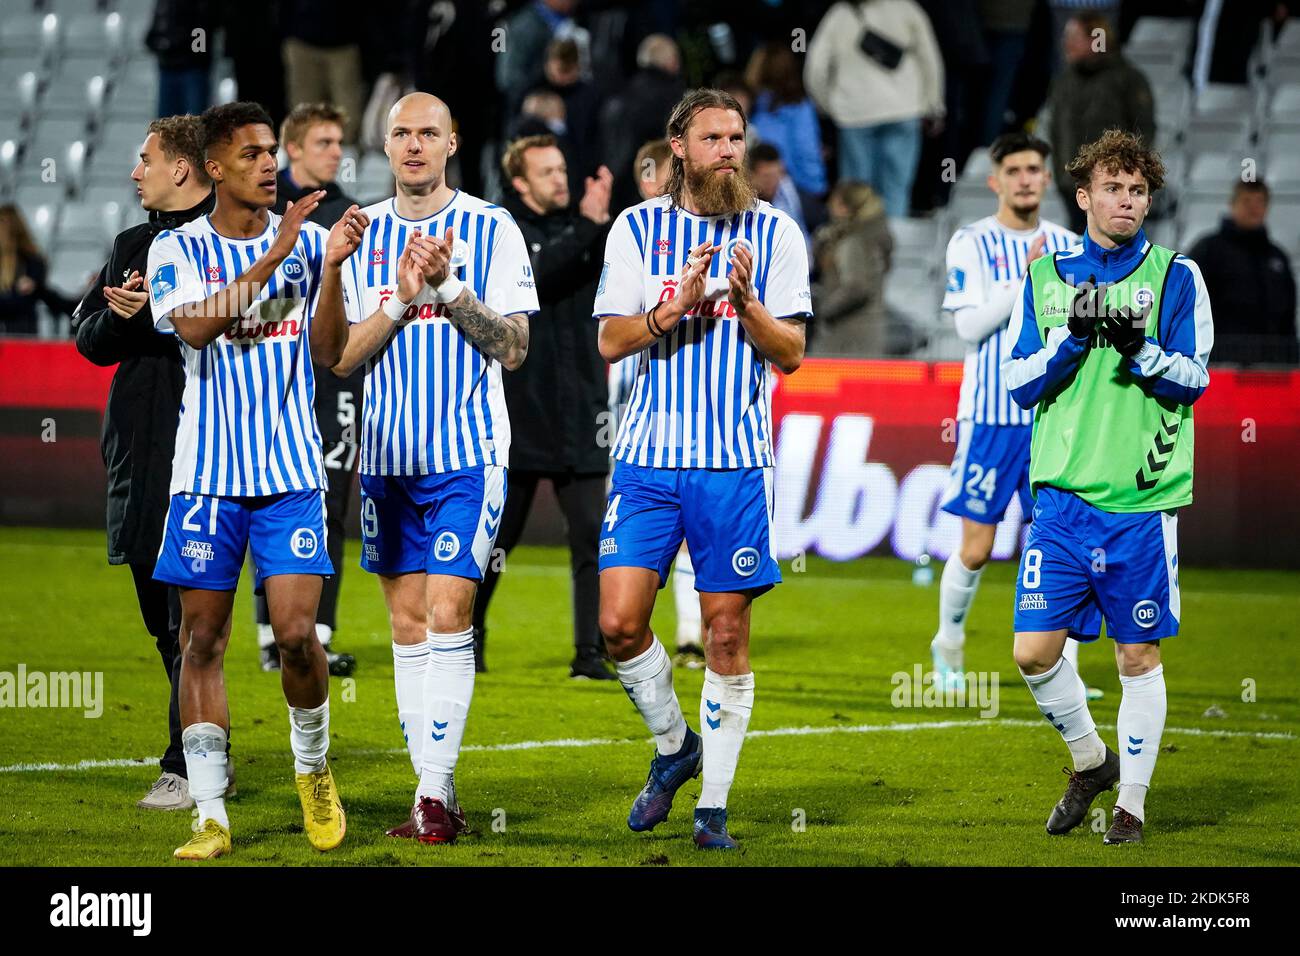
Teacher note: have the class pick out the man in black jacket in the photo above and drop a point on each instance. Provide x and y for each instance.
(558, 400)
(1250, 283)
(115, 327)
(312, 135)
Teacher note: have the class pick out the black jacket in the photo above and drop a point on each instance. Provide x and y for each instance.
(144, 400)
(558, 399)
(1252, 293)
(334, 205)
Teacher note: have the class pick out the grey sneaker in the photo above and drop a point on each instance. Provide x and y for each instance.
(169, 792)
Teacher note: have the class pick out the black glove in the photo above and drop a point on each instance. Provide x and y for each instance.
(1125, 331)
(1084, 309)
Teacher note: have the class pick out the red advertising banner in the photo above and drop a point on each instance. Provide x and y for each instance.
(862, 449)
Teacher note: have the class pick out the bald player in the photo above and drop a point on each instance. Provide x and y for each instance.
(438, 298)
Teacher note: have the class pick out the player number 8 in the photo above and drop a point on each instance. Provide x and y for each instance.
(1033, 568)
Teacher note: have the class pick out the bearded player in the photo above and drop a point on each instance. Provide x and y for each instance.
(439, 297)
(1109, 345)
(710, 285)
(254, 299)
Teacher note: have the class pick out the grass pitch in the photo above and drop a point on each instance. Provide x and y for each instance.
(833, 773)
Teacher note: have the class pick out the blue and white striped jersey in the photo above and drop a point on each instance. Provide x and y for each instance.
(434, 401)
(702, 395)
(985, 264)
(247, 425)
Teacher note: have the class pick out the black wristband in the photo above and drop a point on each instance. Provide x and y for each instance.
(652, 325)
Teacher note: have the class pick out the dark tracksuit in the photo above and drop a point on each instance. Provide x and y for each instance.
(139, 438)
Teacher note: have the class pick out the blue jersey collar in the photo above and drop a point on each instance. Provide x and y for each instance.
(1122, 258)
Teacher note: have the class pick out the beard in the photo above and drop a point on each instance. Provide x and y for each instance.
(718, 194)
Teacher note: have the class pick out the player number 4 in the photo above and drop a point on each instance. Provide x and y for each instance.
(611, 513)
(1033, 569)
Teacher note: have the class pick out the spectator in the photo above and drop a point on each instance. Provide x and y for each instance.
(653, 161)
(520, 64)
(184, 64)
(784, 116)
(312, 135)
(875, 69)
(322, 57)
(852, 256)
(541, 112)
(22, 277)
(1062, 11)
(563, 71)
(256, 55)
(1250, 284)
(1098, 90)
(557, 399)
(773, 184)
(1006, 29)
(640, 111)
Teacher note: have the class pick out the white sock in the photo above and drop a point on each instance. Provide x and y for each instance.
(1063, 700)
(265, 635)
(1141, 722)
(448, 690)
(205, 765)
(309, 737)
(1071, 654)
(648, 680)
(409, 662)
(957, 587)
(725, 705)
(323, 634)
(687, 600)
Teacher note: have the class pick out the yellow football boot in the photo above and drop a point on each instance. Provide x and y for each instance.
(209, 841)
(322, 813)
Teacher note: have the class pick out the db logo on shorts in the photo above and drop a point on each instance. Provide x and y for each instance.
(303, 543)
(745, 561)
(446, 546)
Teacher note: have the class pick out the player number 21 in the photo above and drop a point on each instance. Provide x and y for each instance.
(188, 525)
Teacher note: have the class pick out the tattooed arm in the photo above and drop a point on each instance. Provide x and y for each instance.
(504, 337)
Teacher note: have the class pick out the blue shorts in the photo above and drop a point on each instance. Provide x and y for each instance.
(991, 465)
(1081, 563)
(725, 515)
(438, 524)
(206, 538)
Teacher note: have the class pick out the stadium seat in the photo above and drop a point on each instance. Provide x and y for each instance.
(87, 225)
(27, 33)
(1287, 46)
(915, 240)
(42, 217)
(1166, 39)
(52, 139)
(72, 270)
(978, 166)
(119, 146)
(1284, 226)
(1284, 174)
(1212, 176)
(1198, 218)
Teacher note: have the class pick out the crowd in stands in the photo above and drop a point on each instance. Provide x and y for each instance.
(868, 122)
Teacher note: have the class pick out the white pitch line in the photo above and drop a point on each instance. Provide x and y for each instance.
(573, 742)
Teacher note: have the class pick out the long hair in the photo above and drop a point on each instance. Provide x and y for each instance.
(680, 121)
(16, 244)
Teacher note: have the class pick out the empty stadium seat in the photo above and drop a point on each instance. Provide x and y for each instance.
(42, 217)
(1166, 39)
(1198, 218)
(24, 34)
(1212, 175)
(915, 239)
(88, 225)
(72, 271)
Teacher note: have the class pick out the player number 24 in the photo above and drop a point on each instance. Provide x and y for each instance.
(980, 481)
